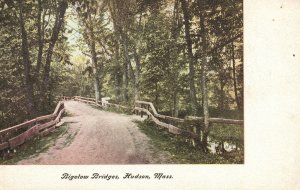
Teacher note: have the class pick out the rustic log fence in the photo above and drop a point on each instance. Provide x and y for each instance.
(12, 137)
(100, 103)
(193, 133)
(217, 120)
(147, 108)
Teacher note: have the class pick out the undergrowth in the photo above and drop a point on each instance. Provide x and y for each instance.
(182, 152)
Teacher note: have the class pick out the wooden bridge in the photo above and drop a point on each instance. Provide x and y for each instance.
(15, 136)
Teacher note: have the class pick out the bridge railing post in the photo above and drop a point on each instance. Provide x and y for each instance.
(136, 111)
(148, 108)
(141, 111)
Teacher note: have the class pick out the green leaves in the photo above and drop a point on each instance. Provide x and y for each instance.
(151, 31)
(229, 133)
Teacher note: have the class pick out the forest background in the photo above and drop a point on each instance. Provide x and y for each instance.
(184, 56)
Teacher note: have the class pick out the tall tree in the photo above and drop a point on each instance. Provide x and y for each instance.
(204, 59)
(234, 77)
(92, 47)
(191, 59)
(120, 18)
(59, 19)
(26, 62)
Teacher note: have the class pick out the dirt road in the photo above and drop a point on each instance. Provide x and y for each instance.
(99, 137)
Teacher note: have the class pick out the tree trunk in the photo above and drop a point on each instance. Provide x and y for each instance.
(120, 26)
(40, 37)
(118, 68)
(92, 47)
(234, 77)
(40, 41)
(204, 60)
(175, 31)
(117, 72)
(205, 141)
(131, 73)
(191, 59)
(177, 23)
(96, 79)
(137, 74)
(175, 104)
(27, 64)
(222, 94)
(156, 96)
(125, 66)
(62, 6)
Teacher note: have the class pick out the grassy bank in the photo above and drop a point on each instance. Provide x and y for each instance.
(36, 146)
(181, 151)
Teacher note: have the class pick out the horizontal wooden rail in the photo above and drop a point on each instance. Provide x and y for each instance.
(216, 120)
(157, 114)
(86, 101)
(171, 128)
(93, 101)
(191, 118)
(145, 107)
(11, 137)
(84, 98)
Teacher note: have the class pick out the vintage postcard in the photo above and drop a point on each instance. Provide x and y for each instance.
(138, 94)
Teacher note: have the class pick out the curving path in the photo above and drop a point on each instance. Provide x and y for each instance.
(99, 137)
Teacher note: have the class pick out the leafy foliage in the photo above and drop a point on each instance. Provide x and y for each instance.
(169, 52)
(181, 152)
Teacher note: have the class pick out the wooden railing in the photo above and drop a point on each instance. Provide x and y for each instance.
(147, 107)
(100, 104)
(142, 106)
(14, 136)
(216, 120)
(86, 100)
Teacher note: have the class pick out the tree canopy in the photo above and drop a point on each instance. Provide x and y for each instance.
(185, 56)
